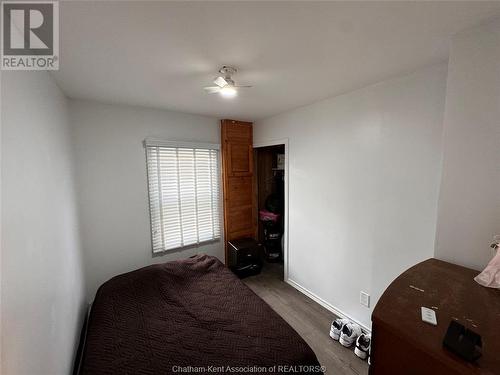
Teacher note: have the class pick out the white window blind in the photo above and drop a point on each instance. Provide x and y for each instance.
(183, 181)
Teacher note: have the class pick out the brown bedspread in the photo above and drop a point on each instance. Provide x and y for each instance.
(188, 316)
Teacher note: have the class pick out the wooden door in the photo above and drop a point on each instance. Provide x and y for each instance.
(237, 174)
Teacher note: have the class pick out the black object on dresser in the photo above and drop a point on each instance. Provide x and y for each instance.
(244, 257)
(463, 342)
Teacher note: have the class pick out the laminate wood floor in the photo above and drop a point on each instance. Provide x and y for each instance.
(311, 320)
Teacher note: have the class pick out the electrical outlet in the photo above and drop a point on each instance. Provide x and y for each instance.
(364, 299)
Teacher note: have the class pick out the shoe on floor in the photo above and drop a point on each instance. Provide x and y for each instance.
(362, 346)
(336, 328)
(349, 334)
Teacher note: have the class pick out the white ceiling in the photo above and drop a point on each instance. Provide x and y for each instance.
(161, 54)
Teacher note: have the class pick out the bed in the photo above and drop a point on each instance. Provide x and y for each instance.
(188, 316)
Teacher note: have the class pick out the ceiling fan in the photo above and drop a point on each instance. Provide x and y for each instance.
(225, 85)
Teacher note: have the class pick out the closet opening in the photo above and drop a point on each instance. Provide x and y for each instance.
(269, 180)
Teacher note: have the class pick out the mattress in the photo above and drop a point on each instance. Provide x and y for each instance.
(188, 316)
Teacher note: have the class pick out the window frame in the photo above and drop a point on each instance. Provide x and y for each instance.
(155, 142)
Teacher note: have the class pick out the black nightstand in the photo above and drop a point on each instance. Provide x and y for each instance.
(245, 257)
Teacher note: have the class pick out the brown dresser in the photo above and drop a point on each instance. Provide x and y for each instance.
(404, 344)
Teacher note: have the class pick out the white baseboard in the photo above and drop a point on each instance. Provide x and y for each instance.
(325, 304)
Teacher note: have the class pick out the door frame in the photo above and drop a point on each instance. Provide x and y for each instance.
(276, 142)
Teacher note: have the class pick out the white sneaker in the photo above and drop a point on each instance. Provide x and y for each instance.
(349, 334)
(363, 346)
(336, 328)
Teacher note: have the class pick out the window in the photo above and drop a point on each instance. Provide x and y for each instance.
(183, 183)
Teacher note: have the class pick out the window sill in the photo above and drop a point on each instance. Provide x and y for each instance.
(182, 248)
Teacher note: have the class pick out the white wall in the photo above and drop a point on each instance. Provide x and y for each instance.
(112, 186)
(469, 202)
(42, 275)
(363, 186)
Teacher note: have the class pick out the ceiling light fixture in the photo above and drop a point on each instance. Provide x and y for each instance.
(225, 85)
(228, 92)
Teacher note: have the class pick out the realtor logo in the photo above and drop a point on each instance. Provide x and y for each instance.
(30, 35)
